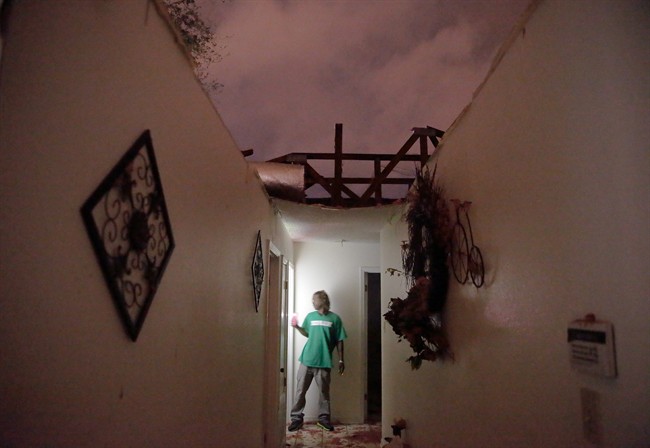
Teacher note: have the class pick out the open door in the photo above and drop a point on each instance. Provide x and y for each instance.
(275, 385)
(371, 344)
(291, 356)
(373, 347)
(285, 291)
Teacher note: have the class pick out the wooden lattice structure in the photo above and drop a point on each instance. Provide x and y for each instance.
(338, 187)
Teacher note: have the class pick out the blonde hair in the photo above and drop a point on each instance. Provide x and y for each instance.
(324, 299)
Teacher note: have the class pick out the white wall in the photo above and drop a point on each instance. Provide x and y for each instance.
(554, 154)
(338, 269)
(80, 81)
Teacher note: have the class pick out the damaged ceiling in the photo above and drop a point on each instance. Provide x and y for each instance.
(343, 214)
(309, 223)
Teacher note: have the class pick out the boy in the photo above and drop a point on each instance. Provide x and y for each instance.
(324, 331)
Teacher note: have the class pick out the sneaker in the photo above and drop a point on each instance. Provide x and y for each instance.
(325, 424)
(295, 425)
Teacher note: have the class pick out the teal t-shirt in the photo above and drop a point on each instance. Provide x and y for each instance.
(325, 331)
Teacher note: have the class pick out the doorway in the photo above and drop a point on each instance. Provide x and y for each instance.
(373, 346)
(275, 388)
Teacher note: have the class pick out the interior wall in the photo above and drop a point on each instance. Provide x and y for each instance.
(80, 81)
(553, 153)
(336, 268)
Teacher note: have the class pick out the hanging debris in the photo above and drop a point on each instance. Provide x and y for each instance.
(282, 180)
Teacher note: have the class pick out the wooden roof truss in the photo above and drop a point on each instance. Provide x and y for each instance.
(338, 187)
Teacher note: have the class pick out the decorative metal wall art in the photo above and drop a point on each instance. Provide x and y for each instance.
(257, 270)
(466, 257)
(128, 225)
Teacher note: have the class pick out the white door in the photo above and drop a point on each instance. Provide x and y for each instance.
(290, 356)
(275, 353)
(284, 325)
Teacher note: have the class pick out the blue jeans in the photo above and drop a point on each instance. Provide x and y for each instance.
(303, 381)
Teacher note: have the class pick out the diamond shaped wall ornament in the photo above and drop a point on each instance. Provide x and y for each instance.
(257, 271)
(128, 225)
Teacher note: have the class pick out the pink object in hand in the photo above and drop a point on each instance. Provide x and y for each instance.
(294, 320)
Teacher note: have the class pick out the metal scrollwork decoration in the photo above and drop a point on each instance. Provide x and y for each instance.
(128, 225)
(466, 257)
(257, 270)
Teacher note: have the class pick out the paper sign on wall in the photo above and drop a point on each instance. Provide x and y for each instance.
(591, 346)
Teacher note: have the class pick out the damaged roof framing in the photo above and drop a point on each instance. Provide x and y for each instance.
(289, 176)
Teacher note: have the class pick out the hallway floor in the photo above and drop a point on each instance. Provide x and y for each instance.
(352, 436)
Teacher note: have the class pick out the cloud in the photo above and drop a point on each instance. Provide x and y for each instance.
(291, 70)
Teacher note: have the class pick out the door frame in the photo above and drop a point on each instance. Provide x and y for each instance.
(291, 348)
(363, 336)
(275, 345)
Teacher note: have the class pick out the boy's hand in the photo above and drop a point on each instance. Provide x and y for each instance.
(341, 367)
